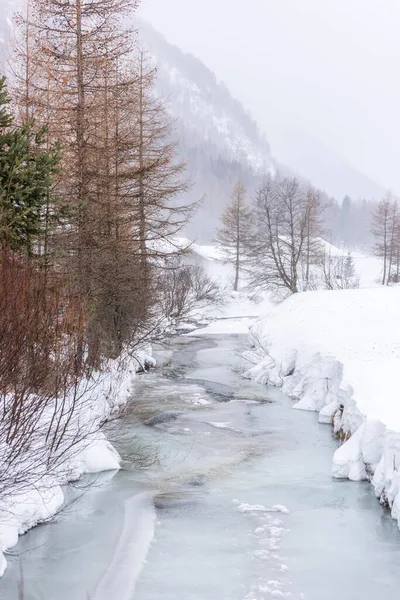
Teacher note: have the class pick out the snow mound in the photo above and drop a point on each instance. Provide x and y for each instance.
(99, 397)
(338, 353)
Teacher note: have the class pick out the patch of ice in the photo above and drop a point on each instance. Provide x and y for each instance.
(260, 508)
(227, 426)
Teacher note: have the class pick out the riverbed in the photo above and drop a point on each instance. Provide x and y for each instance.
(225, 494)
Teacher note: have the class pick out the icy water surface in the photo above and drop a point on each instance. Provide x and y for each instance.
(225, 494)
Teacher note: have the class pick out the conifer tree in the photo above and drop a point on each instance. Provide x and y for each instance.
(233, 236)
(26, 175)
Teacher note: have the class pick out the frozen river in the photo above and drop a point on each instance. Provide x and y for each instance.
(225, 494)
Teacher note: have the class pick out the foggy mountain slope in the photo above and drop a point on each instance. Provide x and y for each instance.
(313, 160)
(206, 106)
(217, 138)
(221, 143)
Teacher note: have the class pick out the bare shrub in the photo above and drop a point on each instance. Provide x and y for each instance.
(185, 288)
(338, 272)
(44, 378)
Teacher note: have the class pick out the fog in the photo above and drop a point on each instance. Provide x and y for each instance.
(328, 68)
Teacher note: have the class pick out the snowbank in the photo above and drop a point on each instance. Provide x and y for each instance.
(338, 353)
(19, 512)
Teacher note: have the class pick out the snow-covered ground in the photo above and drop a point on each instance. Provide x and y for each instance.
(21, 511)
(338, 353)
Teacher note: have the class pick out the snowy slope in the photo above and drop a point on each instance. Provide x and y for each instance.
(338, 352)
(206, 106)
(218, 140)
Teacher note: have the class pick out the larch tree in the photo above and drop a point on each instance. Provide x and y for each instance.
(159, 184)
(80, 77)
(313, 215)
(120, 184)
(235, 232)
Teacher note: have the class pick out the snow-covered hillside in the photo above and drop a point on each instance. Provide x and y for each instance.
(338, 352)
(218, 140)
(206, 106)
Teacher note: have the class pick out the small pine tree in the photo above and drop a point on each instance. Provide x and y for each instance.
(236, 228)
(349, 271)
(26, 171)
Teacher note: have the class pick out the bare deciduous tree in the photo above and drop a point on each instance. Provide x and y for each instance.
(285, 241)
(385, 228)
(185, 288)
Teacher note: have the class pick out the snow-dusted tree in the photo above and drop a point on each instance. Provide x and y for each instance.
(236, 230)
(80, 73)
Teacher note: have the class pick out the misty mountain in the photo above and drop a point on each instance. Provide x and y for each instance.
(221, 143)
(218, 139)
(312, 160)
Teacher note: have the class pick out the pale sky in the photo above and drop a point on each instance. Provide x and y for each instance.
(328, 67)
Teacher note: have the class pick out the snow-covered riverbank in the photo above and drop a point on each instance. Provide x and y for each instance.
(338, 353)
(92, 453)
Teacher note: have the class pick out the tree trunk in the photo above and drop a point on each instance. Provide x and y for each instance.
(142, 200)
(236, 285)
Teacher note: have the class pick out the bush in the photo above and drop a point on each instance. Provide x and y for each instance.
(185, 288)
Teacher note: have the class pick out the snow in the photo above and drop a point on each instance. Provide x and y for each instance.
(337, 352)
(239, 325)
(24, 511)
(99, 456)
(235, 316)
(368, 268)
(260, 508)
(268, 536)
(19, 512)
(219, 121)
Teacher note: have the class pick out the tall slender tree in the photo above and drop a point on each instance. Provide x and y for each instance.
(160, 185)
(236, 230)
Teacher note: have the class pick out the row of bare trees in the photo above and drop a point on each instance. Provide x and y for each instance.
(276, 240)
(88, 213)
(78, 72)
